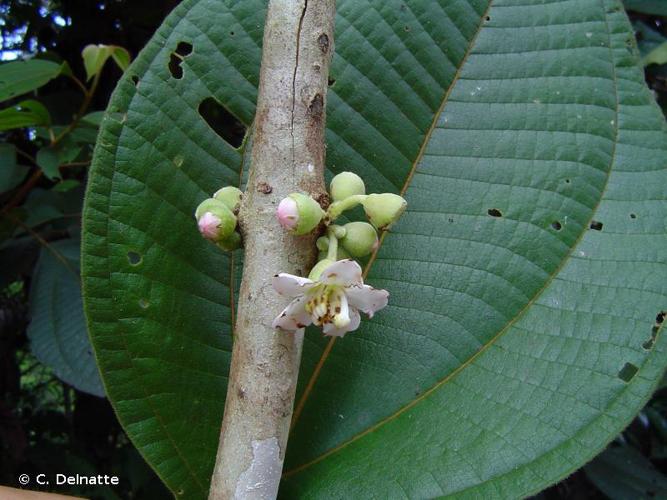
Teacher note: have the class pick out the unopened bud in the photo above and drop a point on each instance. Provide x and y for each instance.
(231, 243)
(346, 184)
(341, 253)
(360, 239)
(230, 196)
(322, 243)
(383, 209)
(299, 213)
(216, 222)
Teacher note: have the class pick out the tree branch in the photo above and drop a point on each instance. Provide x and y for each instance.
(287, 156)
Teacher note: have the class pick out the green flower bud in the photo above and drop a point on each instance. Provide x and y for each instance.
(346, 184)
(383, 209)
(338, 231)
(341, 253)
(230, 196)
(231, 243)
(216, 222)
(360, 239)
(322, 243)
(316, 271)
(299, 213)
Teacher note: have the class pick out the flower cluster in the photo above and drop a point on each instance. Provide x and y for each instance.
(216, 218)
(334, 292)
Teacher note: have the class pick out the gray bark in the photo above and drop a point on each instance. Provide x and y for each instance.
(287, 156)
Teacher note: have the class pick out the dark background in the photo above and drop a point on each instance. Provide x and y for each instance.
(47, 426)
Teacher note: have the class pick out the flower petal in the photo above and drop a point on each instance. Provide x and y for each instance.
(343, 272)
(366, 298)
(290, 285)
(331, 331)
(294, 317)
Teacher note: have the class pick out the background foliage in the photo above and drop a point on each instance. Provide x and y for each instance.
(46, 413)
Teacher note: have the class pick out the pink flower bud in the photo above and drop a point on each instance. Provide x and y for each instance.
(288, 213)
(209, 226)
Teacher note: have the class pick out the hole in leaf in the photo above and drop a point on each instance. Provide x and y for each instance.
(231, 33)
(406, 28)
(143, 303)
(331, 81)
(488, 18)
(223, 123)
(633, 216)
(627, 372)
(567, 181)
(134, 258)
(494, 212)
(183, 49)
(175, 66)
(557, 225)
(648, 345)
(659, 319)
(596, 225)
(135, 80)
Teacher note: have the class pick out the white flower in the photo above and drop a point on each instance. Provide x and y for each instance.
(333, 301)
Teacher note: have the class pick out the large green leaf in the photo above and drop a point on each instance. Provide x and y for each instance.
(57, 329)
(525, 277)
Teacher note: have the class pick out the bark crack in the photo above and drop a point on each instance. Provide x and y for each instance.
(296, 67)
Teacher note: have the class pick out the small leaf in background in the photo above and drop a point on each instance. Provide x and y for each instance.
(654, 7)
(121, 57)
(95, 56)
(11, 173)
(84, 134)
(94, 118)
(66, 185)
(66, 69)
(656, 56)
(45, 205)
(24, 114)
(48, 161)
(57, 329)
(68, 152)
(623, 473)
(19, 77)
(647, 38)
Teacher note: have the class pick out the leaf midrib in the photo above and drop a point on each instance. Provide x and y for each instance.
(520, 314)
